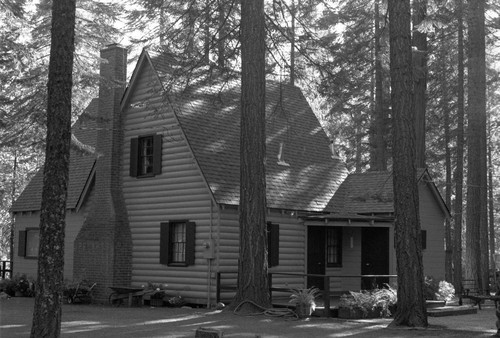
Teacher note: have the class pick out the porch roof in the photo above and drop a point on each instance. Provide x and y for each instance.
(348, 217)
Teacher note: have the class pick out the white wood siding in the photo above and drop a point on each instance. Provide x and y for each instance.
(432, 220)
(178, 193)
(29, 266)
(291, 250)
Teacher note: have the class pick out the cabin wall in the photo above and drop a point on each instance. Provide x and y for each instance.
(432, 220)
(291, 251)
(178, 193)
(29, 266)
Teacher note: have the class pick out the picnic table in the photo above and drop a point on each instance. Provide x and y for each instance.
(120, 293)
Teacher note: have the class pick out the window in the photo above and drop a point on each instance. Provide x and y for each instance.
(28, 242)
(334, 246)
(273, 244)
(177, 243)
(177, 239)
(145, 156)
(423, 233)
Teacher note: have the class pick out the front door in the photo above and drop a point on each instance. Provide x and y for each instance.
(316, 256)
(374, 257)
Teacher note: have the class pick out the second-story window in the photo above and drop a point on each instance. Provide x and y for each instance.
(145, 155)
(145, 158)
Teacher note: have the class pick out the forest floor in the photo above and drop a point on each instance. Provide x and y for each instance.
(79, 320)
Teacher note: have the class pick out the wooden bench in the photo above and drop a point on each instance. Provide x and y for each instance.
(471, 291)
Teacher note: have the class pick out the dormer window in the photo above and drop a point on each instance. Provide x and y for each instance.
(145, 156)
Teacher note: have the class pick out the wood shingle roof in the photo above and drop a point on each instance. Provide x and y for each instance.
(372, 193)
(81, 165)
(304, 177)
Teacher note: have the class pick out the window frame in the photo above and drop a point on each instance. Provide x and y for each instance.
(338, 246)
(24, 243)
(136, 155)
(167, 244)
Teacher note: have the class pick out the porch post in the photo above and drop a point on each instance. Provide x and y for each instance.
(326, 296)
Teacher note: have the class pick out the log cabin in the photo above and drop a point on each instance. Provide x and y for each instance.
(157, 197)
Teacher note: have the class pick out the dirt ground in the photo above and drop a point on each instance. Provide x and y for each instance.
(105, 321)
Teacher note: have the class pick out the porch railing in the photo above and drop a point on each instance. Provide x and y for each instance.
(5, 269)
(326, 292)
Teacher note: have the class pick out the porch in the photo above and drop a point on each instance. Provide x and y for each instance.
(326, 303)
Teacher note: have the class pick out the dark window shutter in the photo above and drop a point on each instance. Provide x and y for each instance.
(339, 244)
(134, 153)
(424, 239)
(22, 244)
(164, 242)
(273, 244)
(190, 242)
(157, 149)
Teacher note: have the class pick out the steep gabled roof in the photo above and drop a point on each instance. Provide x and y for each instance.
(372, 193)
(301, 173)
(304, 177)
(81, 165)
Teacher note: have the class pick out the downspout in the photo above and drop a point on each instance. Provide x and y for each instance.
(209, 260)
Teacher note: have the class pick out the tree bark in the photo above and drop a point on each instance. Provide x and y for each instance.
(444, 105)
(379, 153)
(407, 240)
(50, 281)
(420, 78)
(476, 173)
(252, 266)
(459, 177)
(491, 218)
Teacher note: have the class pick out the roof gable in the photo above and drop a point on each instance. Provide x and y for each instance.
(300, 171)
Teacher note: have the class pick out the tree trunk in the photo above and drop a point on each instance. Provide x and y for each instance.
(420, 78)
(380, 162)
(459, 177)
(407, 240)
(476, 173)
(292, 44)
(221, 41)
(252, 266)
(491, 218)
(445, 104)
(50, 282)
(12, 223)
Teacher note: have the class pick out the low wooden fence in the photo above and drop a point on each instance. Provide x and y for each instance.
(326, 292)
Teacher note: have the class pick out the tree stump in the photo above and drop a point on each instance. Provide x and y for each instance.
(206, 332)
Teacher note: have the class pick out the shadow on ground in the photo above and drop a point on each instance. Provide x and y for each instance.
(105, 321)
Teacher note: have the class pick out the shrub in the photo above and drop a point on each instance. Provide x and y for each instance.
(435, 290)
(8, 286)
(304, 296)
(379, 300)
(446, 291)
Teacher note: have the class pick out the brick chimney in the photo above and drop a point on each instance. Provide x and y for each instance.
(103, 247)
